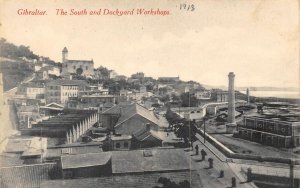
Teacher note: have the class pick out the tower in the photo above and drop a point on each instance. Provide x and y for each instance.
(64, 55)
(248, 96)
(64, 60)
(1, 91)
(231, 124)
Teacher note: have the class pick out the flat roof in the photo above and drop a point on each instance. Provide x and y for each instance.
(97, 96)
(159, 160)
(123, 137)
(287, 118)
(128, 180)
(85, 160)
(22, 143)
(57, 152)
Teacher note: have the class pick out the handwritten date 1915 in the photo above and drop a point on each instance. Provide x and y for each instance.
(187, 7)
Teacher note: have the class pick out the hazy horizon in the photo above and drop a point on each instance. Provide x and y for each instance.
(257, 40)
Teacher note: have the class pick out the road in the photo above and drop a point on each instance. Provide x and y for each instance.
(8, 116)
(210, 176)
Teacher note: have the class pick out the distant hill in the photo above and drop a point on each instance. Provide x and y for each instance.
(269, 88)
(266, 88)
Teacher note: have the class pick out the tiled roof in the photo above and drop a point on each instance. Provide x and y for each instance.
(117, 109)
(84, 61)
(144, 133)
(67, 82)
(128, 111)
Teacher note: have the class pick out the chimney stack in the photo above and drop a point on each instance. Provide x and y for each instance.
(148, 126)
(248, 96)
(231, 124)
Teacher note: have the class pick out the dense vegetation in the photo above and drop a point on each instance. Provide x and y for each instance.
(167, 183)
(10, 50)
(14, 72)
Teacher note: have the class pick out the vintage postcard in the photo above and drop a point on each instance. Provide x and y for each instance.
(149, 93)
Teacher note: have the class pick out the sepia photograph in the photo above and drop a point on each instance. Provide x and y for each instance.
(149, 94)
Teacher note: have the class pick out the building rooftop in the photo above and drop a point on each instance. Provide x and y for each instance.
(53, 106)
(34, 85)
(129, 110)
(55, 152)
(122, 137)
(137, 180)
(135, 161)
(85, 160)
(145, 133)
(65, 121)
(29, 108)
(291, 118)
(97, 96)
(68, 82)
(10, 159)
(84, 61)
(21, 144)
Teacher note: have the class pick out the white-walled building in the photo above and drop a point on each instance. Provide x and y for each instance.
(82, 67)
(59, 91)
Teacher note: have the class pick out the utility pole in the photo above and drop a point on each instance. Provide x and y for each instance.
(204, 118)
(292, 163)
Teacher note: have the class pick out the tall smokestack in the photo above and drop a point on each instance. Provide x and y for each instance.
(231, 125)
(1, 92)
(248, 96)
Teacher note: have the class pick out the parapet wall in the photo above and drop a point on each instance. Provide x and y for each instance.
(230, 154)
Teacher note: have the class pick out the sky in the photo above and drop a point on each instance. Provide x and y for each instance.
(258, 40)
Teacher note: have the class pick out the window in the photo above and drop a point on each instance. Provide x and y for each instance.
(74, 67)
(125, 144)
(118, 145)
(86, 68)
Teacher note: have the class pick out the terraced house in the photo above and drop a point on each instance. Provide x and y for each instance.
(59, 91)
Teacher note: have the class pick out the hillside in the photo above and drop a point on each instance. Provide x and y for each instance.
(14, 71)
(13, 65)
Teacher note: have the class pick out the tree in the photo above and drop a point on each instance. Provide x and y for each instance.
(188, 100)
(186, 130)
(10, 50)
(165, 98)
(167, 183)
(175, 97)
(104, 71)
(173, 118)
(79, 71)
